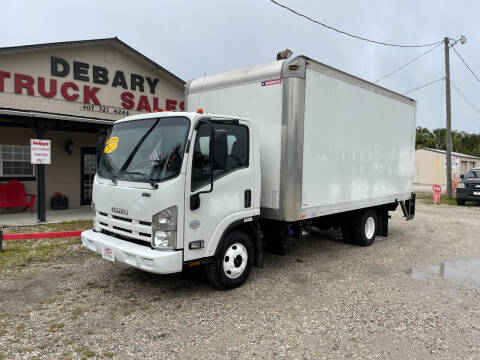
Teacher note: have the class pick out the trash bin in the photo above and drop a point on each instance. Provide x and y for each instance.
(59, 202)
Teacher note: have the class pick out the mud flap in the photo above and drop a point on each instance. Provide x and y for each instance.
(408, 207)
(259, 249)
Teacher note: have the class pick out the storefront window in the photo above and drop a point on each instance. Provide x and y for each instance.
(15, 161)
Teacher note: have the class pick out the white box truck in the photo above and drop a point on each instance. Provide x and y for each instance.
(303, 145)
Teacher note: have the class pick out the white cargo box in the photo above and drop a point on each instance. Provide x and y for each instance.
(330, 142)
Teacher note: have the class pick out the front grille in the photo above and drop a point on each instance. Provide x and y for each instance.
(121, 218)
(126, 238)
(129, 229)
(122, 229)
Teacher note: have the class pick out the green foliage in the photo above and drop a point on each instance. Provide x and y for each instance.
(462, 142)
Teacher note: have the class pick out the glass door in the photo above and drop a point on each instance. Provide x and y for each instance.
(88, 170)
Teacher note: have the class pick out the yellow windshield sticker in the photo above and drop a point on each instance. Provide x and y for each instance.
(111, 145)
(113, 139)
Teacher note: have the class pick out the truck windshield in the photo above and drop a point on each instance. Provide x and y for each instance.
(144, 150)
(473, 174)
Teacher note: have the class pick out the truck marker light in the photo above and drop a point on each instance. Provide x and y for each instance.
(293, 67)
(303, 216)
(195, 263)
(199, 111)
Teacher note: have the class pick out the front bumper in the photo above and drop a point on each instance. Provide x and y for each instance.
(468, 195)
(141, 257)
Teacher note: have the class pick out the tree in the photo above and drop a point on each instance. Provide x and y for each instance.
(462, 142)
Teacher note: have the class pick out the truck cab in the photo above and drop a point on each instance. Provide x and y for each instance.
(468, 189)
(170, 190)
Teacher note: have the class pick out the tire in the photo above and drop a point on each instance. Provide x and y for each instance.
(232, 263)
(346, 231)
(460, 202)
(364, 228)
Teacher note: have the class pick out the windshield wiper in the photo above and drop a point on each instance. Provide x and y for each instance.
(148, 178)
(114, 179)
(135, 149)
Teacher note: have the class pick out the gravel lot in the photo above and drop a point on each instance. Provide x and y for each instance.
(415, 294)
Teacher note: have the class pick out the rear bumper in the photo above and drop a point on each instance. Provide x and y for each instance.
(467, 195)
(141, 257)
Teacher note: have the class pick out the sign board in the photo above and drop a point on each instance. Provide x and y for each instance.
(40, 151)
(104, 81)
(437, 188)
(455, 162)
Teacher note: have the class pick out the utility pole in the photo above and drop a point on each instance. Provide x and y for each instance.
(449, 119)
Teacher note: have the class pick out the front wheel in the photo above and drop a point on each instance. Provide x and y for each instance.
(232, 263)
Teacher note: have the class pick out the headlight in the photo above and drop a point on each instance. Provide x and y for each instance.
(460, 185)
(164, 226)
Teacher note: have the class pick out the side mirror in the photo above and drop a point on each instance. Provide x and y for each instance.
(218, 160)
(220, 150)
(100, 145)
(462, 177)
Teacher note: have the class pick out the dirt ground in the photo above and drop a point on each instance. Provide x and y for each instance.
(415, 294)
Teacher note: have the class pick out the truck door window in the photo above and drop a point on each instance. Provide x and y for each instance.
(238, 148)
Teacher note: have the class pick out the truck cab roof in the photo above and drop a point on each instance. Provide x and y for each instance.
(191, 115)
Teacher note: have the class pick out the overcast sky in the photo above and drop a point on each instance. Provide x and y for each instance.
(191, 38)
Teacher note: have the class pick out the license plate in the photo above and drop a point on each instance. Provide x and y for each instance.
(476, 193)
(108, 254)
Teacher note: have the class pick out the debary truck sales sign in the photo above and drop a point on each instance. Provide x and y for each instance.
(87, 79)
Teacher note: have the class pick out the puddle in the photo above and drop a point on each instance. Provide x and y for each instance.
(459, 271)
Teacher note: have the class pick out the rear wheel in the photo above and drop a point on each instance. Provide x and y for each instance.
(460, 202)
(233, 263)
(363, 230)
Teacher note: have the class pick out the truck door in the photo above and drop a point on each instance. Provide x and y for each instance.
(233, 188)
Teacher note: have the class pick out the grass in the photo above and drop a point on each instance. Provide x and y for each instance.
(24, 252)
(86, 353)
(77, 313)
(55, 327)
(40, 228)
(428, 199)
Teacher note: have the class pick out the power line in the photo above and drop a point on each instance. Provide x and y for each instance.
(468, 67)
(459, 92)
(422, 86)
(403, 66)
(352, 35)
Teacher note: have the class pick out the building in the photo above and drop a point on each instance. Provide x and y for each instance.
(430, 166)
(70, 93)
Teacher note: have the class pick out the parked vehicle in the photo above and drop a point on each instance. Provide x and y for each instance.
(310, 146)
(468, 189)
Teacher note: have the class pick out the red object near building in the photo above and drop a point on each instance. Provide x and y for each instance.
(13, 194)
(437, 189)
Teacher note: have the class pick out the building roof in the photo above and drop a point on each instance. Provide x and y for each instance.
(453, 153)
(114, 41)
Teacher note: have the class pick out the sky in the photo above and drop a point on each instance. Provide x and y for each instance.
(191, 38)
